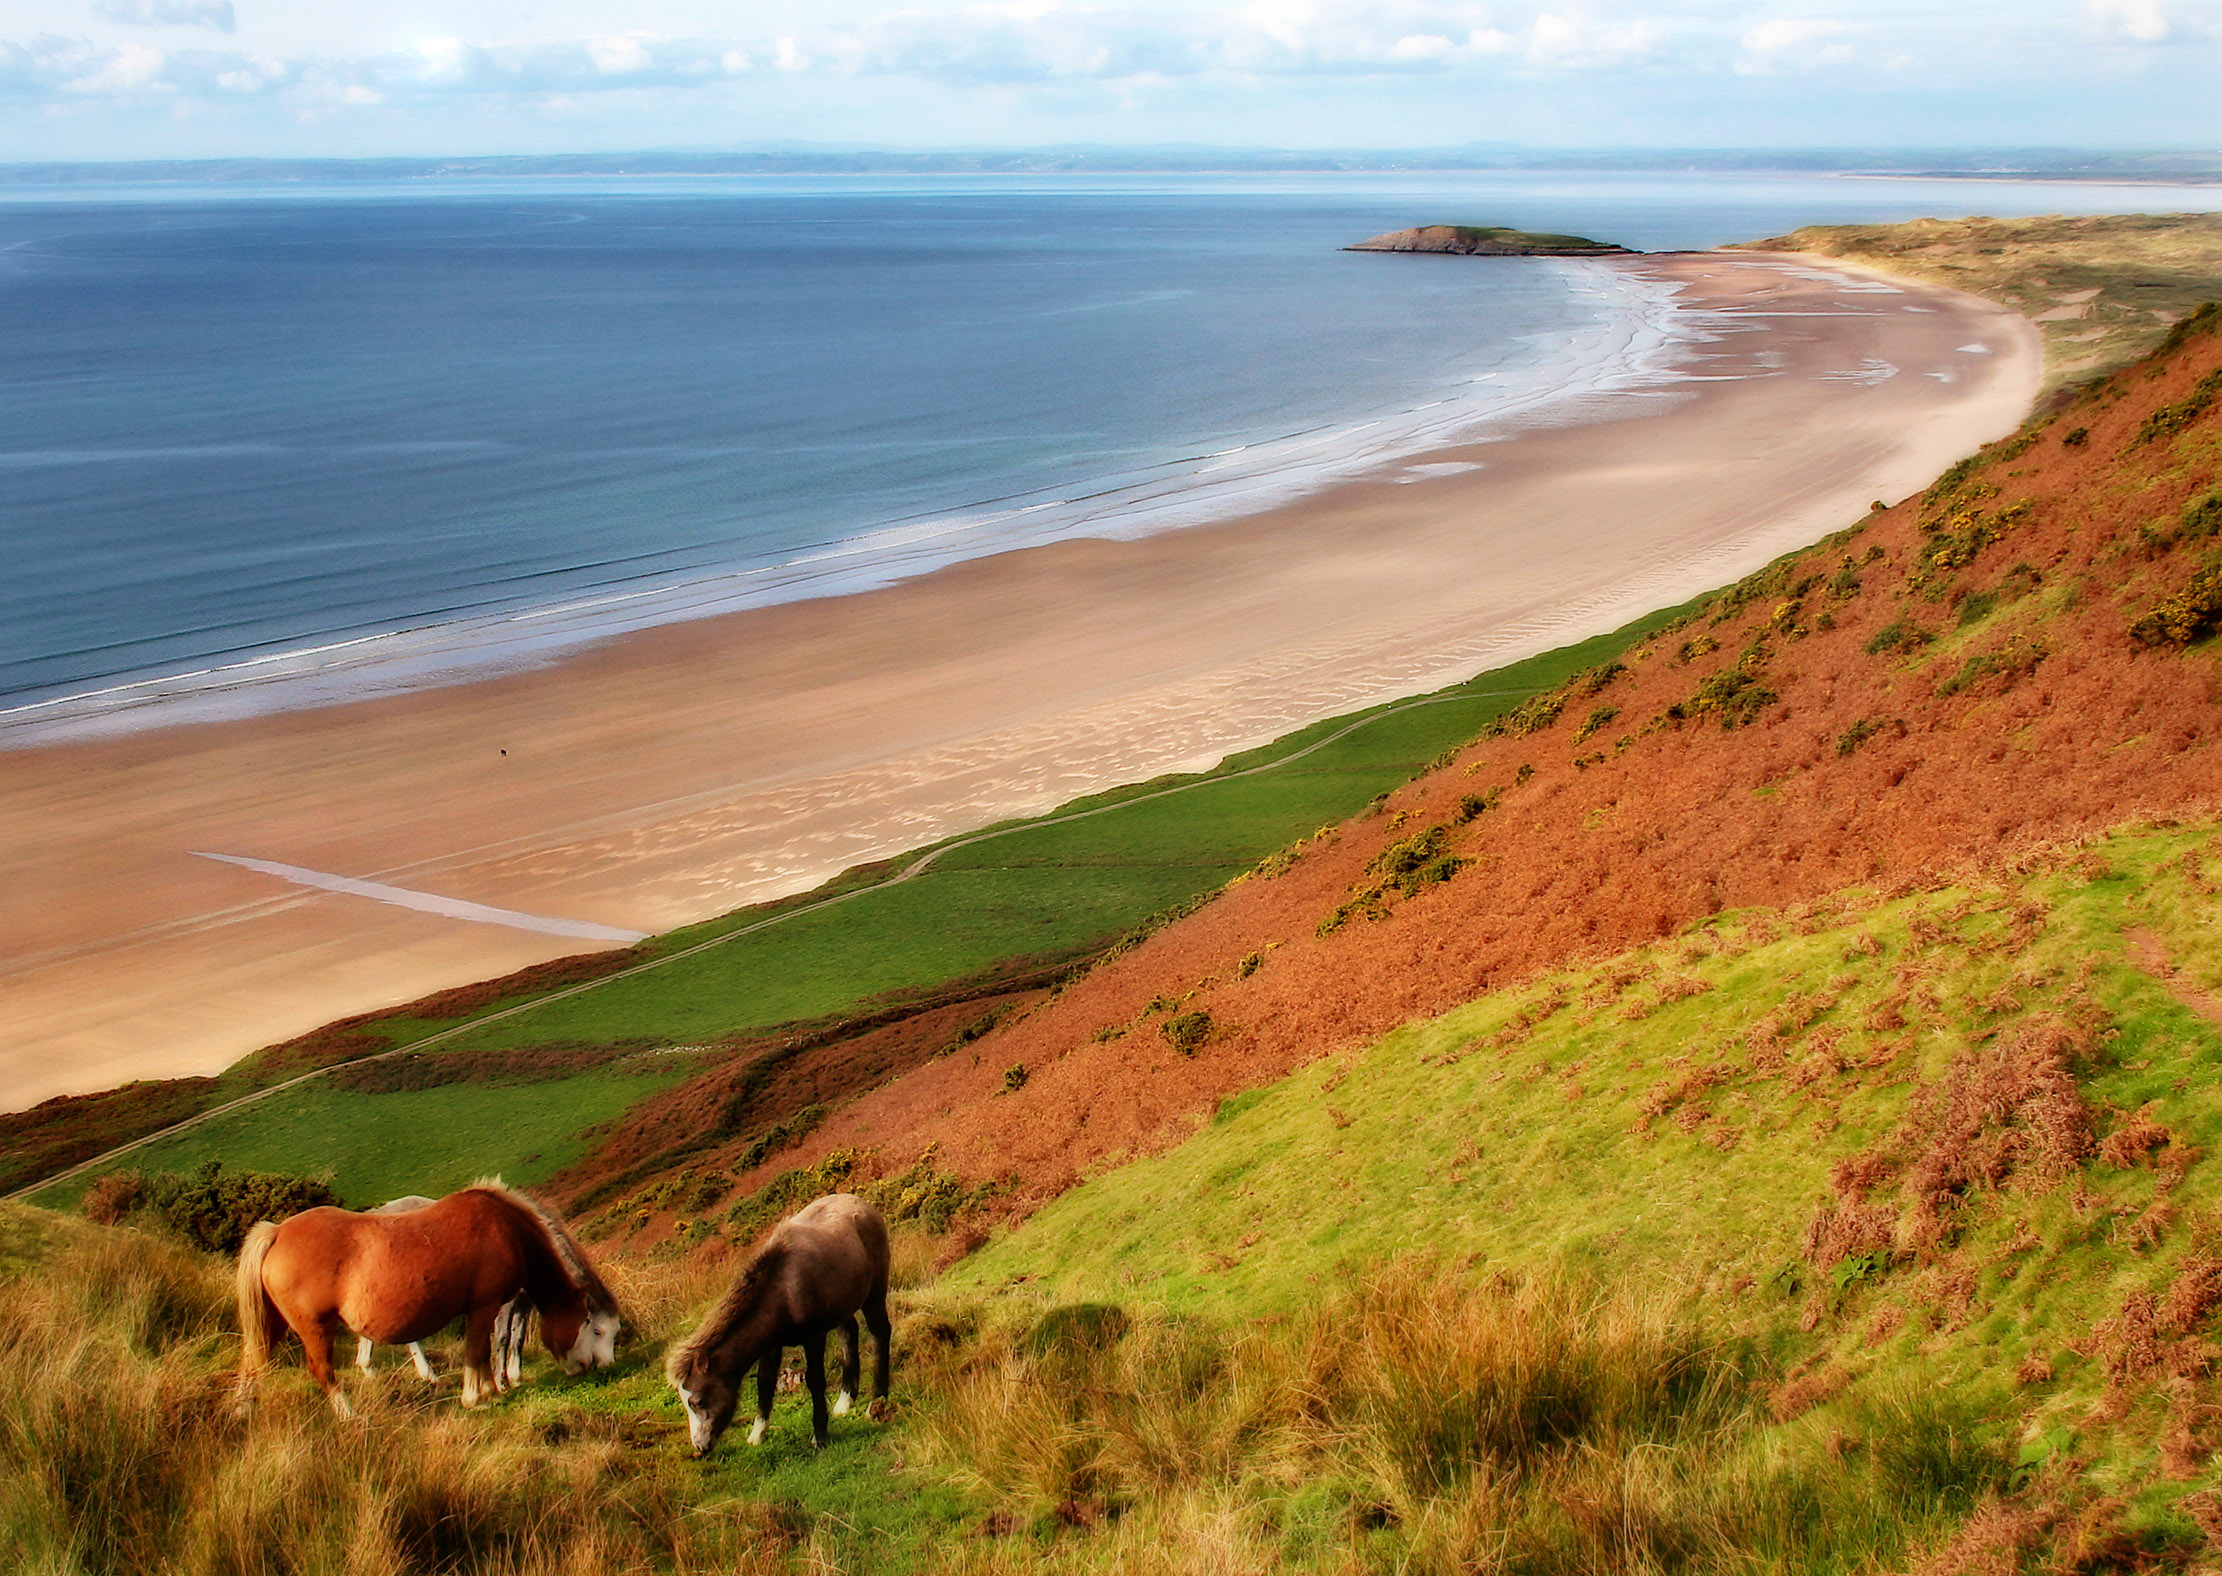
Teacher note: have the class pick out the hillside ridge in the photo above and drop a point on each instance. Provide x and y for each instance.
(2008, 659)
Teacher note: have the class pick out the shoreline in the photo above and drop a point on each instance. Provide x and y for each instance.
(678, 772)
(1632, 345)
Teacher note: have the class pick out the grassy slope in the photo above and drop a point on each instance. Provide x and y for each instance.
(1522, 1150)
(2102, 288)
(1031, 889)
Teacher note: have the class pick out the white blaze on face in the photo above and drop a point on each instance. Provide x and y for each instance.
(698, 1423)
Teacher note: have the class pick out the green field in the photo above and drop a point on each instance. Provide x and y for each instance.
(1054, 886)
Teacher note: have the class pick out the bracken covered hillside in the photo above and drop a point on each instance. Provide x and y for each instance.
(2012, 658)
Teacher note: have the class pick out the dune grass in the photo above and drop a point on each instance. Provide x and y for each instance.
(1423, 1420)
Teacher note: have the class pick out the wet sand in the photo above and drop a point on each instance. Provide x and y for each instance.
(669, 775)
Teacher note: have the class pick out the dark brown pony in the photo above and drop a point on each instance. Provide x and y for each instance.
(399, 1278)
(816, 1271)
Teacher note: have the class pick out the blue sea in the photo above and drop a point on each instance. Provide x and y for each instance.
(270, 446)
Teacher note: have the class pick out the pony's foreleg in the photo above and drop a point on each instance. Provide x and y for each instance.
(364, 1346)
(767, 1386)
(852, 1367)
(875, 1317)
(509, 1342)
(424, 1363)
(814, 1373)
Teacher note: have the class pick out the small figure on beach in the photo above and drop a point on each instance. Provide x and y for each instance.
(819, 1268)
(397, 1278)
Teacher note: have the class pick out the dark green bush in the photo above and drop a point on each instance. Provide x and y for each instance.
(213, 1210)
(1188, 1032)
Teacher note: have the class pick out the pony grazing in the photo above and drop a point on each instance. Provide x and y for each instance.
(398, 1278)
(816, 1271)
(510, 1324)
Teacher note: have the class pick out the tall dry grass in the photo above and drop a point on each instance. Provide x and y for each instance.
(1426, 1422)
(122, 1450)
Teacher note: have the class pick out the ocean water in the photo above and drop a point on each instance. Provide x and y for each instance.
(268, 447)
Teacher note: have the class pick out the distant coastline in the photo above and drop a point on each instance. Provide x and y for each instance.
(2159, 167)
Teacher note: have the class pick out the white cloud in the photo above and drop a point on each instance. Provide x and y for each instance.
(2129, 21)
(1787, 44)
(1580, 43)
(619, 57)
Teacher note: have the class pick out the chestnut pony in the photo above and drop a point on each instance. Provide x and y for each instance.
(398, 1278)
(814, 1273)
(509, 1325)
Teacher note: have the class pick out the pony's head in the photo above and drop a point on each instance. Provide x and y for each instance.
(578, 1314)
(580, 1338)
(708, 1397)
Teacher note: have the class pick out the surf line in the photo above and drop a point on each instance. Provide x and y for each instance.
(431, 903)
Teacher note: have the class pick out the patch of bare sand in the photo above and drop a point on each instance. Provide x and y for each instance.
(674, 774)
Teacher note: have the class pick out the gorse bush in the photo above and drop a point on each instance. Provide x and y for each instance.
(209, 1208)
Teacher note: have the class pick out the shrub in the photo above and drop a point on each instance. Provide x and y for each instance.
(1734, 694)
(113, 1196)
(778, 1136)
(1187, 1032)
(2075, 438)
(1597, 678)
(1529, 717)
(2010, 661)
(1900, 634)
(1858, 733)
(1977, 606)
(1014, 1078)
(1597, 719)
(2190, 613)
(2173, 418)
(213, 1210)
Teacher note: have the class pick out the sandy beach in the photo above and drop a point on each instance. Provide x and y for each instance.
(672, 774)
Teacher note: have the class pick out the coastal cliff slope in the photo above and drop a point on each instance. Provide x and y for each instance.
(2011, 659)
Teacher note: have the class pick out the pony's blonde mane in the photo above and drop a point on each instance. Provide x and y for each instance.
(599, 1298)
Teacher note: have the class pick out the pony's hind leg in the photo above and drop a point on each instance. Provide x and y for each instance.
(767, 1386)
(424, 1363)
(814, 1373)
(364, 1346)
(875, 1317)
(316, 1345)
(852, 1367)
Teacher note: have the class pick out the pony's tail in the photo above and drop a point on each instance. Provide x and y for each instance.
(254, 1303)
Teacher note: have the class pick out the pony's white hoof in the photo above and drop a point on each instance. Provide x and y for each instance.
(424, 1364)
(756, 1431)
(341, 1407)
(841, 1404)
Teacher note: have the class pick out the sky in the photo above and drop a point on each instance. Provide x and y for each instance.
(138, 79)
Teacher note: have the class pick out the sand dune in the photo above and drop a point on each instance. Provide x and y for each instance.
(666, 776)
